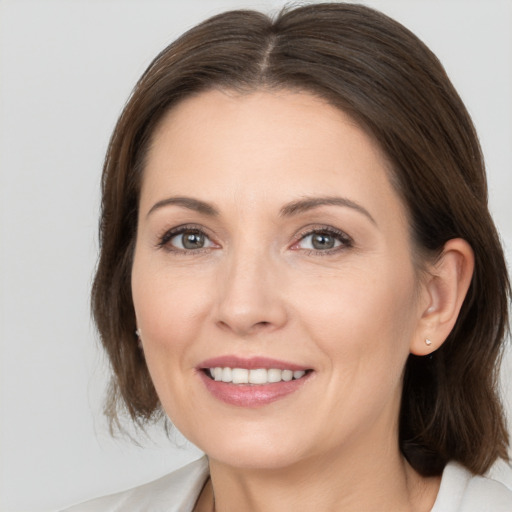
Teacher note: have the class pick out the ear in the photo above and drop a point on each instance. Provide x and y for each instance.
(443, 292)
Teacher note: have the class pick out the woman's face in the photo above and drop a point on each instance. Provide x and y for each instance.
(270, 239)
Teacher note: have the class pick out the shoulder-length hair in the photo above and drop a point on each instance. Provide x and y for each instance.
(382, 75)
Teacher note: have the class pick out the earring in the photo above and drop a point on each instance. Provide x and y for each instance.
(139, 341)
(428, 342)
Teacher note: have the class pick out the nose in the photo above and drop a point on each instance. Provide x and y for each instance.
(250, 297)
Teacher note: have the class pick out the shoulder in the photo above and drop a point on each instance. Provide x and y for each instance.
(177, 491)
(461, 491)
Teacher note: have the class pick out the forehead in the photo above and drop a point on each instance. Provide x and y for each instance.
(264, 146)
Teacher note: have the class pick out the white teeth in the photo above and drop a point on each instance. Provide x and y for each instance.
(240, 375)
(274, 375)
(287, 375)
(226, 375)
(255, 376)
(258, 376)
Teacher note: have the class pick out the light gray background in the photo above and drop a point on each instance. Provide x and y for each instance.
(66, 69)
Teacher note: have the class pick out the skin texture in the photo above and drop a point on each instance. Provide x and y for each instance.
(258, 287)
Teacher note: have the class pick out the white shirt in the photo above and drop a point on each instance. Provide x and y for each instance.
(460, 491)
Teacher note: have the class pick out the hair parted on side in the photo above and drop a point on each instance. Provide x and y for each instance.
(381, 74)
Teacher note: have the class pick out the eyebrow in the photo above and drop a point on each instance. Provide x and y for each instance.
(289, 210)
(186, 202)
(304, 205)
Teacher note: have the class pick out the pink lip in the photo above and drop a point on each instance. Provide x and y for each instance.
(250, 395)
(251, 363)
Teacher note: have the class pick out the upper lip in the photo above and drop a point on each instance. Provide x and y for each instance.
(251, 363)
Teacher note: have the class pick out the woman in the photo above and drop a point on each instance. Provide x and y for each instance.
(299, 268)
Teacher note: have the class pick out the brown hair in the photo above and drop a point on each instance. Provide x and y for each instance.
(382, 75)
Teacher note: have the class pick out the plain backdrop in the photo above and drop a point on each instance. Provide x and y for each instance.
(66, 69)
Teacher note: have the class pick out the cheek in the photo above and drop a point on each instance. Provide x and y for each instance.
(169, 308)
(168, 305)
(363, 316)
(363, 327)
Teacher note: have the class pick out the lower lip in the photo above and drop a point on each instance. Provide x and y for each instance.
(251, 395)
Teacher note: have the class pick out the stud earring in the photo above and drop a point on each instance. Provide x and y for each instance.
(428, 342)
(139, 341)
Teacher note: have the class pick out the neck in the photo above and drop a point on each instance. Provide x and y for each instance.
(377, 480)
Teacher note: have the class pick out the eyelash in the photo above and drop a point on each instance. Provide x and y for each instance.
(345, 241)
(167, 236)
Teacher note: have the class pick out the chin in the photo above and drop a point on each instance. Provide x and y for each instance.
(254, 457)
(250, 447)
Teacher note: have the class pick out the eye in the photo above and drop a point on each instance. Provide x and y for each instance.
(185, 239)
(189, 240)
(323, 240)
(319, 242)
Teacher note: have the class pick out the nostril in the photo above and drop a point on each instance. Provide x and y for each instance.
(261, 325)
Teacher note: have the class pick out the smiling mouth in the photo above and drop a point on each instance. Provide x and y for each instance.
(255, 376)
